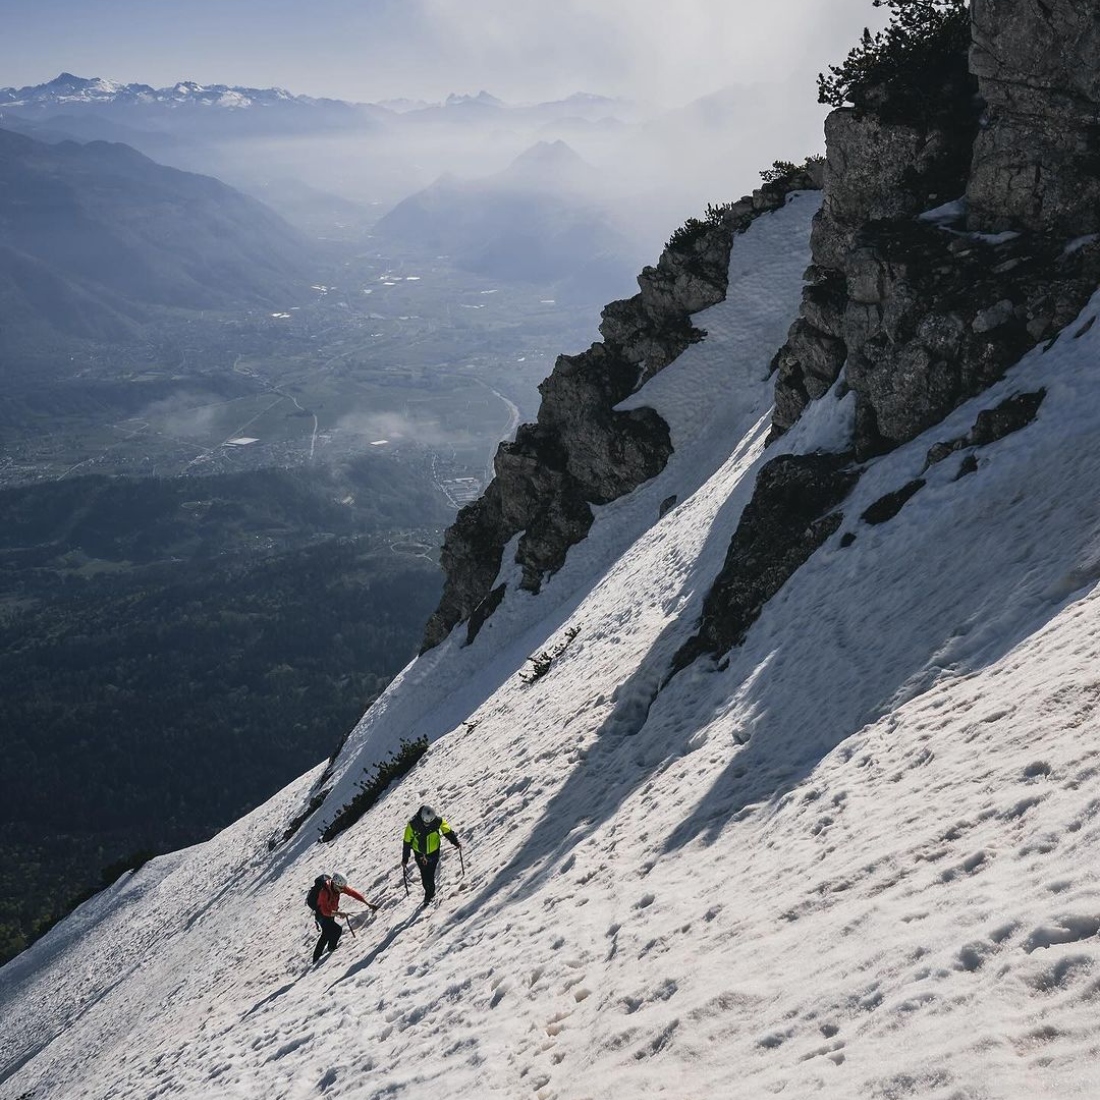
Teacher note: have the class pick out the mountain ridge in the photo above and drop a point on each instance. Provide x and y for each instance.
(130, 235)
(541, 219)
(67, 89)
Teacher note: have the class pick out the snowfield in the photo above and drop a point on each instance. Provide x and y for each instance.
(856, 858)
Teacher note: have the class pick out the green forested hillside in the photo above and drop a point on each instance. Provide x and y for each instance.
(172, 652)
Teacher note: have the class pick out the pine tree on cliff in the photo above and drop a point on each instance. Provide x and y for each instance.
(900, 69)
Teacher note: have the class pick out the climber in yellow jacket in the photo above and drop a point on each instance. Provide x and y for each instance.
(422, 835)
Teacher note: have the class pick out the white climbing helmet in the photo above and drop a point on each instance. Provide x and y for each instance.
(427, 814)
(339, 881)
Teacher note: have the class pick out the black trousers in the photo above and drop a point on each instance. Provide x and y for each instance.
(330, 936)
(428, 865)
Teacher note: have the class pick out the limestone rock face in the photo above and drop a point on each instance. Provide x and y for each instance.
(877, 172)
(471, 557)
(921, 314)
(1037, 157)
(942, 314)
(911, 303)
(581, 451)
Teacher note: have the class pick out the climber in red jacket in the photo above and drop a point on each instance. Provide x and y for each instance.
(328, 909)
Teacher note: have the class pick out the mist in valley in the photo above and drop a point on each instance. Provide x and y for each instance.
(644, 170)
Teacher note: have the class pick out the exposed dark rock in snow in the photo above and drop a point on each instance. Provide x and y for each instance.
(992, 424)
(792, 512)
(969, 465)
(885, 508)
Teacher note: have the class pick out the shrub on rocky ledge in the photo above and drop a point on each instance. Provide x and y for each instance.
(371, 788)
(787, 170)
(694, 228)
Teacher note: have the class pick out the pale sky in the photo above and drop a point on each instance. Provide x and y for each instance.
(367, 50)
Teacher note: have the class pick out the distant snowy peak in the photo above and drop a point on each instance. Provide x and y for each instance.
(589, 99)
(402, 106)
(97, 88)
(589, 105)
(67, 89)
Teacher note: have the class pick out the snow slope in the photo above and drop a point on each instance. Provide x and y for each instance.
(856, 859)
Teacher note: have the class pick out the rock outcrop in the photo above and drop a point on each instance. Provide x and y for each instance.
(792, 512)
(858, 309)
(581, 451)
(908, 295)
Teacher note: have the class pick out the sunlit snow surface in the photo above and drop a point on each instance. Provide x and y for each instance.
(858, 860)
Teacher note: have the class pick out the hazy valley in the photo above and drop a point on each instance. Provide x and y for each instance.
(229, 446)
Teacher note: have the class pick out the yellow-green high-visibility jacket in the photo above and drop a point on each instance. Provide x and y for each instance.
(424, 838)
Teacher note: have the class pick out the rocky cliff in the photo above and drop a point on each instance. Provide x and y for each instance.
(953, 236)
(949, 244)
(581, 451)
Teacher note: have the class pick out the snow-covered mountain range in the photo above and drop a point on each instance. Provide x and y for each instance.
(68, 91)
(317, 161)
(774, 759)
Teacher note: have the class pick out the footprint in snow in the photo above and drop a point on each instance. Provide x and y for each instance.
(1070, 928)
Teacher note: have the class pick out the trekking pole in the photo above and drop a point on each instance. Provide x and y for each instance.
(462, 864)
(405, 878)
